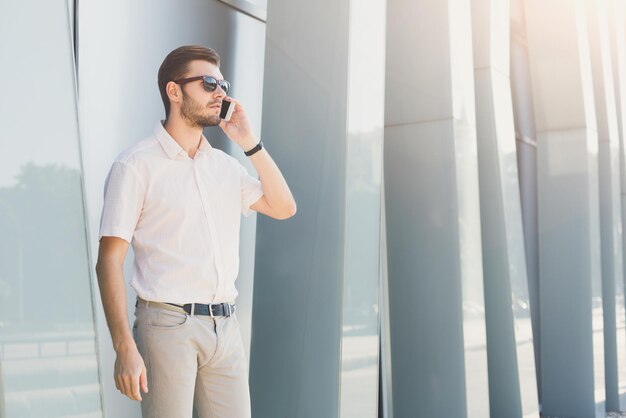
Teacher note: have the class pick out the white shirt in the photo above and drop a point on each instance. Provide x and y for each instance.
(181, 216)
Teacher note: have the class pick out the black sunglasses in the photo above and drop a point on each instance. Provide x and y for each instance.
(209, 83)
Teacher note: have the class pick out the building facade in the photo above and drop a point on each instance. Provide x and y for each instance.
(459, 169)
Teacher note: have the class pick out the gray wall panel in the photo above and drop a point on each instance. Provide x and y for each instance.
(506, 284)
(320, 270)
(526, 147)
(610, 203)
(300, 262)
(572, 363)
(425, 307)
(617, 17)
(438, 342)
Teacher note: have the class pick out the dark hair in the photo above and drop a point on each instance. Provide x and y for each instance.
(176, 65)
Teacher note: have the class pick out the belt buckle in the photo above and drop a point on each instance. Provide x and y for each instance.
(210, 305)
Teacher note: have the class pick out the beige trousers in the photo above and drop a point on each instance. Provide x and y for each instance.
(191, 360)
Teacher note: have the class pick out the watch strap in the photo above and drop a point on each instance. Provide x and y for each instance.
(255, 149)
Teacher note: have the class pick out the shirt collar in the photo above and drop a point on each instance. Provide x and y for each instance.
(204, 147)
(171, 147)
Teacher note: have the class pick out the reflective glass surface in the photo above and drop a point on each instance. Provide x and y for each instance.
(366, 97)
(48, 363)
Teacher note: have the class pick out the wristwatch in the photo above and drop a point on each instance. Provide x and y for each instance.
(255, 149)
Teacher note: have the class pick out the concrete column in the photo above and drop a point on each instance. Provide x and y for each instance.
(618, 36)
(512, 383)
(526, 146)
(438, 340)
(610, 205)
(315, 322)
(569, 235)
(617, 19)
(617, 25)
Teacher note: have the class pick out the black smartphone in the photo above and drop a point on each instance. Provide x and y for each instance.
(227, 109)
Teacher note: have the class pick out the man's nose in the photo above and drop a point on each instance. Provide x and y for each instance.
(220, 91)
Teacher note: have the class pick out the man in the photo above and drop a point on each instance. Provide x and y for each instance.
(179, 202)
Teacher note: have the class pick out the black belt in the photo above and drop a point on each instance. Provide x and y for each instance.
(213, 309)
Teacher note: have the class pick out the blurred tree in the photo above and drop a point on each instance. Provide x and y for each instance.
(44, 269)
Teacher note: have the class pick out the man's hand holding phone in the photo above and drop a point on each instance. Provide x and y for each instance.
(237, 126)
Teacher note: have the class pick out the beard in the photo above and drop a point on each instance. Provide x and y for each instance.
(197, 116)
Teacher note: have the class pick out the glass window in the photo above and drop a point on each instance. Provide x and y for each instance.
(48, 363)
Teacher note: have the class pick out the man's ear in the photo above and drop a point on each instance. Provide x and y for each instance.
(173, 92)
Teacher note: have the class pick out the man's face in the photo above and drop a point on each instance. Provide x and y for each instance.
(200, 108)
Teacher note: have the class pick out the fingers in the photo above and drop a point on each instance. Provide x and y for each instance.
(123, 384)
(134, 389)
(143, 380)
(126, 387)
(129, 382)
(238, 105)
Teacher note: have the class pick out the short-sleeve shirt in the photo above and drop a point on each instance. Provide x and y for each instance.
(182, 217)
